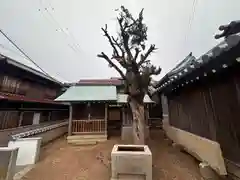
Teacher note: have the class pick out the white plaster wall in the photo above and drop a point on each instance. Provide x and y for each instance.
(29, 150)
(201, 148)
(36, 118)
(8, 157)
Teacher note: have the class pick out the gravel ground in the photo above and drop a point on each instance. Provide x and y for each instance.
(60, 161)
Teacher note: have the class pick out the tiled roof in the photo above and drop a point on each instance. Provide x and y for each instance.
(15, 97)
(112, 81)
(9, 60)
(171, 80)
(89, 93)
(187, 61)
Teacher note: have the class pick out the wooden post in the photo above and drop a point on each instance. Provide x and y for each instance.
(49, 116)
(148, 107)
(147, 123)
(89, 110)
(123, 116)
(70, 121)
(36, 118)
(20, 119)
(106, 117)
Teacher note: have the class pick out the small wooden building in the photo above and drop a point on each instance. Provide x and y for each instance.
(99, 107)
(88, 108)
(24, 92)
(27, 99)
(204, 105)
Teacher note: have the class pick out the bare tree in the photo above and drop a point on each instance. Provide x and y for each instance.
(130, 53)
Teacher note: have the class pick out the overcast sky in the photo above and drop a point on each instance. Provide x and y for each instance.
(36, 26)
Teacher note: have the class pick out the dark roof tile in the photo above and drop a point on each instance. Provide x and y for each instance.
(192, 64)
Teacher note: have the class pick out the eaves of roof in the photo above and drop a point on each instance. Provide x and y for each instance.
(172, 78)
(15, 97)
(112, 81)
(28, 69)
(88, 93)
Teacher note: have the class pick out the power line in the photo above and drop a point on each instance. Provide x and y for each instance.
(66, 29)
(15, 45)
(56, 29)
(23, 55)
(191, 18)
(76, 46)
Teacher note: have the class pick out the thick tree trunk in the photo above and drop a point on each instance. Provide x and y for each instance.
(138, 122)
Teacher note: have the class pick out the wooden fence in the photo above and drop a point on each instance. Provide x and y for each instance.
(211, 110)
(89, 126)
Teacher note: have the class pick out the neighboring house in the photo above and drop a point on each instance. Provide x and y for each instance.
(99, 106)
(27, 96)
(204, 105)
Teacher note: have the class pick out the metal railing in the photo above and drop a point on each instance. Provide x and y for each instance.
(89, 126)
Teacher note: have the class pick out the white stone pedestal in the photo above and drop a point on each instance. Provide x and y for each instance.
(8, 157)
(131, 162)
(29, 150)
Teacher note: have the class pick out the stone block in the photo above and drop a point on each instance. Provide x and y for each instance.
(131, 162)
(207, 172)
(29, 150)
(203, 149)
(8, 157)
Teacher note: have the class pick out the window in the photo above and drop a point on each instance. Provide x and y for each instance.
(22, 87)
(9, 84)
(50, 93)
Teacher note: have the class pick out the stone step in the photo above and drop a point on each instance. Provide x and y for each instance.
(87, 137)
(82, 143)
(131, 177)
(85, 140)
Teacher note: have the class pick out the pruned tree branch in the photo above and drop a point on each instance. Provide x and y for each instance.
(137, 51)
(155, 70)
(144, 57)
(104, 56)
(115, 51)
(127, 49)
(118, 45)
(125, 37)
(114, 43)
(151, 70)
